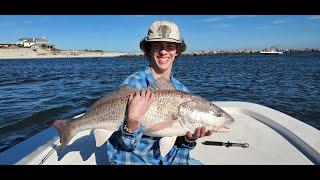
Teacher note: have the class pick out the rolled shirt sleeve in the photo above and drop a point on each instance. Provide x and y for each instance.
(129, 141)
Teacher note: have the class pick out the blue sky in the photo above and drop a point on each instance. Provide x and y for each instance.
(123, 33)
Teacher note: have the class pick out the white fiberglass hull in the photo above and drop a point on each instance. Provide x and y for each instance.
(273, 138)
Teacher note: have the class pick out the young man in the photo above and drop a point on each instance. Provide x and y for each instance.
(161, 46)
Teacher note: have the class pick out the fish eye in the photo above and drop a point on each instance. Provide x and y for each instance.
(219, 114)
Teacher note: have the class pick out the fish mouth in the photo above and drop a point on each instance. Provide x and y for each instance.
(228, 121)
(229, 118)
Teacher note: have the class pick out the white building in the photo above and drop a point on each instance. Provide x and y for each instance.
(34, 42)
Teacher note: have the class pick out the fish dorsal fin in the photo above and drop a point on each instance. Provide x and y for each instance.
(162, 83)
(166, 144)
(122, 91)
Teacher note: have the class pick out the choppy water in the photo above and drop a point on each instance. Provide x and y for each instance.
(33, 92)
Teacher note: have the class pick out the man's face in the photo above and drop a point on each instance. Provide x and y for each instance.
(163, 55)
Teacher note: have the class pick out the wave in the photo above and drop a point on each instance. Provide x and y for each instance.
(41, 117)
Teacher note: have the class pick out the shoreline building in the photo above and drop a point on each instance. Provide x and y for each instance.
(35, 43)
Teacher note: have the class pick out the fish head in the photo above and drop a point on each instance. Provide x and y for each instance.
(198, 113)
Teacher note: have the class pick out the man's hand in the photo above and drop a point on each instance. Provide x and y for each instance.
(138, 105)
(198, 133)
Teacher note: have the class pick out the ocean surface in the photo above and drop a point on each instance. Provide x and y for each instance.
(34, 91)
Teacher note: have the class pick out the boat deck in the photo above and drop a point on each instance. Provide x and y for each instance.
(266, 146)
(273, 138)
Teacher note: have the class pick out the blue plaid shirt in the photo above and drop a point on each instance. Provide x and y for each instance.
(136, 148)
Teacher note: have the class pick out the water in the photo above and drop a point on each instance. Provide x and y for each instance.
(33, 92)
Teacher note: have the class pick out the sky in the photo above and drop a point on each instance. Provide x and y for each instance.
(122, 33)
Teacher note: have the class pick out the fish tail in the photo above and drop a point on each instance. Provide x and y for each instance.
(64, 131)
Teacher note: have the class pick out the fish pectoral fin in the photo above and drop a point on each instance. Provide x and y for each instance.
(101, 136)
(166, 144)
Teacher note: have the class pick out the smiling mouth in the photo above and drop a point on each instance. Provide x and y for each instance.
(163, 61)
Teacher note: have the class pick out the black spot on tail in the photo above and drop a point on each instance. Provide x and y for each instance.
(64, 131)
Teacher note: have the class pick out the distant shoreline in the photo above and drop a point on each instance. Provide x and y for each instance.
(27, 53)
(226, 53)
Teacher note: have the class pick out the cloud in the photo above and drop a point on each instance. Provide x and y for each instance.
(139, 16)
(213, 19)
(239, 16)
(45, 18)
(223, 25)
(263, 27)
(314, 18)
(278, 21)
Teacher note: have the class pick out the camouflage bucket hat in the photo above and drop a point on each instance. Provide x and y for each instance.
(164, 31)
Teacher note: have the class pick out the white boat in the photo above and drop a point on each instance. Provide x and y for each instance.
(267, 136)
(271, 52)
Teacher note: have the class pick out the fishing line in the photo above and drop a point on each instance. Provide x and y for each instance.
(49, 153)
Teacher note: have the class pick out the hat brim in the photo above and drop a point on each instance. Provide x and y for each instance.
(163, 40)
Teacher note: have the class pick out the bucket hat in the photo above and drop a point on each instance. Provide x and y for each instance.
(164, 31)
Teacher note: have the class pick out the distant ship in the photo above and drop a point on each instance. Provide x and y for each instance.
(272, 50)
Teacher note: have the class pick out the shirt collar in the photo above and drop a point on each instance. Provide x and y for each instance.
(151, 79)
(149, 75)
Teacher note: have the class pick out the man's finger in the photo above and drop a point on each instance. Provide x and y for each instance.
(208, 133)
(197, 133)
(143, 93)
(203, 131)
(151, 99)
(189, 135)
(148, 95)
